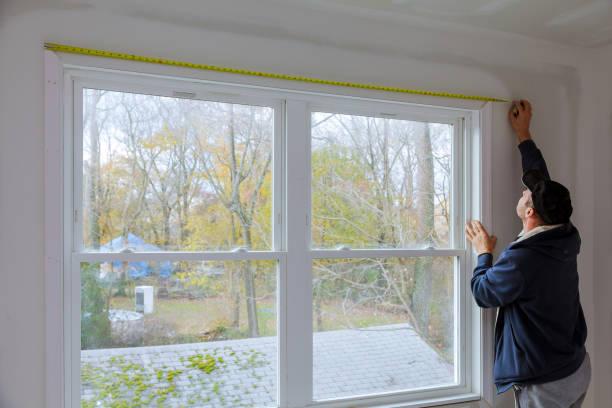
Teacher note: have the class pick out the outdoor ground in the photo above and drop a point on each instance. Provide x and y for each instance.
(195, 320)
(193, 316)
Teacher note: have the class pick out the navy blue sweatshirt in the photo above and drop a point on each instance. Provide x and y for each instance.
(540, 330)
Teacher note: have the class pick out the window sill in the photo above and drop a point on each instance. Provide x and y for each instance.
(462, 401)
(470, 400)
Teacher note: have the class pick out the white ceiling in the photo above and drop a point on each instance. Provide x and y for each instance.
(584, 23)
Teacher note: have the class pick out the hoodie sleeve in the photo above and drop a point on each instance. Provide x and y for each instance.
(532, 157)
(497, 285)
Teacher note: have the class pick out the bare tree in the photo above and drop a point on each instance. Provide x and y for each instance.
(421, 297)
(247, 162)
(384, 148)
(92, 125)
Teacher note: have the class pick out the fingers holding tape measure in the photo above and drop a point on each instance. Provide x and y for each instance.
(519, 106)
(520, 117)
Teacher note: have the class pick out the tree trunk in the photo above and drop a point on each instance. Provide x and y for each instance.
(317, 307)
(93, 185)
(421, 298)
(235, 279)
(249, 287)
(237, 176)
(236, 297)
(384, 195)
(166, 228)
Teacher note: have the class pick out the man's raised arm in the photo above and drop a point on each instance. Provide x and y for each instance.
(520, 117)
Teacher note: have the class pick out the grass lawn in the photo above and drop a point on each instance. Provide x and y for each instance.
(193, 320)
(192, 317)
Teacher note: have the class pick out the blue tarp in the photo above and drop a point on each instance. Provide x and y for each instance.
(138, 269)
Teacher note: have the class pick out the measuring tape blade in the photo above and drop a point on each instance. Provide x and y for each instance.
(131, 57)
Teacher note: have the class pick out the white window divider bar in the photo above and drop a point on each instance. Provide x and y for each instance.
(281, 291)
(384, 253)
(74, 351)
(163, 256)
(299, 266)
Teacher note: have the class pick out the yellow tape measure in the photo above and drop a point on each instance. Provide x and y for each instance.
(130, 57)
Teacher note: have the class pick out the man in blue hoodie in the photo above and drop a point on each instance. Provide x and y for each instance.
(540, 330)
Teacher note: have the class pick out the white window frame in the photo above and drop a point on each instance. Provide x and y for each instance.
(75, 81)
(461, 154)
(65, 74)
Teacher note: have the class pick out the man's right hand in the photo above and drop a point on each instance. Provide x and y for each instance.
(520, 117)
(482, 242)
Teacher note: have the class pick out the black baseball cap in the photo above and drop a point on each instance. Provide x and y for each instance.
(551, 200)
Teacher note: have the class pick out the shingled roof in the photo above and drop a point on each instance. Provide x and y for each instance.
(242, 373)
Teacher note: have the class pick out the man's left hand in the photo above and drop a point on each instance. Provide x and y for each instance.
(482, 242)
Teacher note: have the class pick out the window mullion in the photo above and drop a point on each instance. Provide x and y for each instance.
(72, 332)
(76, 218)
(278, 178)
(298, 369)
(459, 203)
(457, 190)
(384, 253)
(164, 256)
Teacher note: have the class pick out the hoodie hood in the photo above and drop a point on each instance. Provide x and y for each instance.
(561, 243)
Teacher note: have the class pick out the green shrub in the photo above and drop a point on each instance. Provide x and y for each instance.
(95, 324)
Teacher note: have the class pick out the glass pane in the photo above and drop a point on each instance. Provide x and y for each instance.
(163, 173)
(183, 334)
(380, 183)
(382, 325)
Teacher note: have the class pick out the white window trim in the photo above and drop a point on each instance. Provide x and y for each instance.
(59, 72)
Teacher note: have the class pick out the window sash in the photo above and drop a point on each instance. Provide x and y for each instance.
(204, 95)
(164, 256)
(390, 111)
(291, 238)
(384, 253)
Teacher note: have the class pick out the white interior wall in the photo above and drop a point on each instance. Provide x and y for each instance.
(569, 124)
(602, 181)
